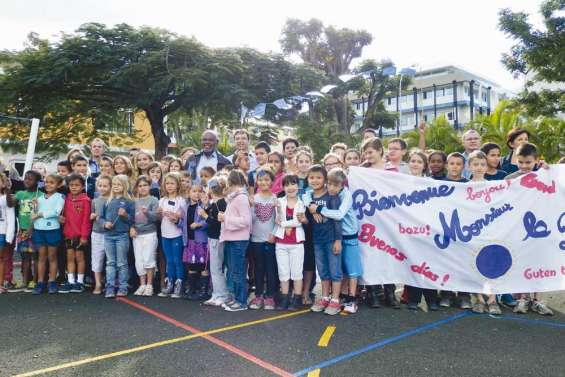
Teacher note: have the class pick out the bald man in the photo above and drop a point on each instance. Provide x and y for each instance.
(208, 156)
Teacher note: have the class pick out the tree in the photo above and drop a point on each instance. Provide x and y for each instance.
(539, 53)
(329, 49)
(440, 135)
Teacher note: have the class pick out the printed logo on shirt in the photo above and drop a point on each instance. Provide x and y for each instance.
(264, 212)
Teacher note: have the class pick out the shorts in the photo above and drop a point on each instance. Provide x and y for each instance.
(290, 261)
(2, 240)
(351, 258)
(74, 244)
(98, 252)
(50, 237)
(328, 264)
(27, 249)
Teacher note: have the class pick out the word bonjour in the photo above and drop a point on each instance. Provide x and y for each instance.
(486, 193)
(361, 199)
(414, 230)
(454, 230)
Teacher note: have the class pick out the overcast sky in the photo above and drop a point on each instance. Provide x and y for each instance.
(427, 33)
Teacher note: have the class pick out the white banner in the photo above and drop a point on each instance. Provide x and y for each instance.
(490, 237)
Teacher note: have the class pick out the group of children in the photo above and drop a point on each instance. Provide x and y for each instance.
(217, 236)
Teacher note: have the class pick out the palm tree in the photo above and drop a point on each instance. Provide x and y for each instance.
(549, 136)
(440, 135)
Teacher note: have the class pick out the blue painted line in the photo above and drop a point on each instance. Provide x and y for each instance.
(538, 322)
(382, 343)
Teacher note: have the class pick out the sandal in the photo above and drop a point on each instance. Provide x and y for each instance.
(97, 290)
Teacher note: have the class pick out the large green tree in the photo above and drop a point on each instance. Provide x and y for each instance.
(329, 49)
(540, 54)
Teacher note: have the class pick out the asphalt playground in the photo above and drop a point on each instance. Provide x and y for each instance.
(86, 335)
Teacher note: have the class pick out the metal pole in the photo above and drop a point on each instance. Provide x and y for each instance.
(399, 106)
(31, 144)
(415, 94)
(435, 103)
(472, 98)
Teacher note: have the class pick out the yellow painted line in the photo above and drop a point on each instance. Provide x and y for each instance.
(314, 373)
(157, 344)
(326, 336)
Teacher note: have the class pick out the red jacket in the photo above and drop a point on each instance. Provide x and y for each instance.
(77, 217)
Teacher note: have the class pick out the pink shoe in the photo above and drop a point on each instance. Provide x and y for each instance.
(269, 303)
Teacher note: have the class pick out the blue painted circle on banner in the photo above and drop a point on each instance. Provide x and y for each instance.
(493, 261)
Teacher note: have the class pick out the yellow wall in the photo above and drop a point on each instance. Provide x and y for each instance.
(142, 129)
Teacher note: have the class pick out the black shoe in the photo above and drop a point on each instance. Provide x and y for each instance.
(390, 296)
(295, 302)
(412, 306)
(204, 284)
(373, 299)
(283, 303)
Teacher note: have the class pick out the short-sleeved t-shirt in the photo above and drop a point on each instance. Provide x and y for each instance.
(25, 207)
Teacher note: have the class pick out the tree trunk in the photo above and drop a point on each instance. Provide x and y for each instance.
(340, 106)
(161, 139)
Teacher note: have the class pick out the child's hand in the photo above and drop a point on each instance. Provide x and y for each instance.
(145, 210)
(221, 217)
(122, 212)
(302, 218)
(62, 219)
(82, 242)
(132, 233)
(160, 211)
(337, 247)
(35, 216)
(288, 231)
(318, 218)
(202, 213)
(194, 226)
(543, 165)
(93, 216)
(108, 225)
(204, 199)
(422, 127)
(271, 239)
(312, 208)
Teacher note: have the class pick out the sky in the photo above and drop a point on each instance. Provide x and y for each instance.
(426, 33)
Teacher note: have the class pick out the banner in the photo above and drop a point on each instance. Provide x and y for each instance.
(491, 237)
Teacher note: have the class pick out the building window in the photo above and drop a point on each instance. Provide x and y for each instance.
(358, 106)
(427, 94)
(448, 91)
(389, 100)
(450, 116)
(425, 117)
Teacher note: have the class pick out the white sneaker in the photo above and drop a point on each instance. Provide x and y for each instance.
(350, 307)
(215, 301)
(148, 291)
(140, 291)
(541, 308)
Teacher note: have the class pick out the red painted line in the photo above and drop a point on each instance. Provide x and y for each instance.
(247, 356)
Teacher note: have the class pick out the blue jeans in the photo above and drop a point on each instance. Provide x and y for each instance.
(117, 248)
(237, 268)
(265, 267)
(328, 264)
(172, 247)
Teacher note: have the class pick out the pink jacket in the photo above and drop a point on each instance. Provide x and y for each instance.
(237, 219)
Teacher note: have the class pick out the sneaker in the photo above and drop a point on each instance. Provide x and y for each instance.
(283, 302)
(52, 287)
(295, 303)
(13, 288)
(122, 293)
(3, 290)
(350, 307)
(88, 282)
(507, 299)
(167, 289)
(478, 308)
(412, 306)
(228, 302)
(256, 303)
(433, 307)
(269, 303)
(235, 307)
(333, 308)
(40, 288)
(320, 306)
(140, 291)
(65, 287)
(445, 302)
(522, 306)
(214, 301)
(148, 292)
(30, 287)
(494, 309)
(77, 288)
(541, 308)
(466, 303)
(110, 293)
(177, 291)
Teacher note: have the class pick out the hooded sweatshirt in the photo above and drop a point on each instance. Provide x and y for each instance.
(237, 218)
(77, 217)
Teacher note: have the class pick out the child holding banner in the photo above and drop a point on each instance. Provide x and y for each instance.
(373, 152)
(418, 165)
(479, 166)
(455, 167)
(528, 158)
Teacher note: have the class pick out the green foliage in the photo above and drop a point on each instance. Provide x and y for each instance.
(539, 52)
(549, 136)
(440, 135)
